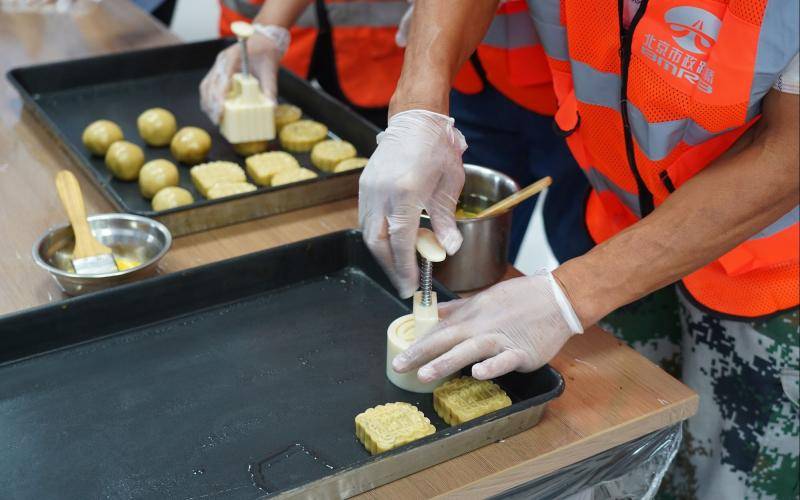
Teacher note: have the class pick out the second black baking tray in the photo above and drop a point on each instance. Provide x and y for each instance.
(67, 96)
(237, 379)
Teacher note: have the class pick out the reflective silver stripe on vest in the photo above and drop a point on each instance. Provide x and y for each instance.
(242, 7)
(786, 221)
(778, 43)
(377, 14)
(657, 139)
(595, 87)
(511, 31)
(548, 11)
(308, 19)
(602, 183)
(553, 35)
(695, 134)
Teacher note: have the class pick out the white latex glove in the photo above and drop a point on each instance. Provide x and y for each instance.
(519, 324)
(401, 37)
(265, 48)
(417, 166)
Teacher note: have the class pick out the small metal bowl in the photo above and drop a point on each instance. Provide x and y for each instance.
(482, 259)
(129, 236)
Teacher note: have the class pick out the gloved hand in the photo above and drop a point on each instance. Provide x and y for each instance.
(519, 324)
(401, 37)
(265, 48)
(417, 166)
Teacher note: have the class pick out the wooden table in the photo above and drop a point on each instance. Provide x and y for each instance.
(613, 394)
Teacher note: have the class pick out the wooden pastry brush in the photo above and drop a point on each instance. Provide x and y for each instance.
(89, 256)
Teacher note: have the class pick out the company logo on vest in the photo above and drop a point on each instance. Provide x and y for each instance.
(693, 29)
(693, 32)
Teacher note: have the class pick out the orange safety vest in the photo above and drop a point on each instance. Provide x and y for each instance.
(513, 61)
(646, 111)
(368, 61)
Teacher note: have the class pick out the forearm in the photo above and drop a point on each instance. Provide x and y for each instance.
(741, 193)
(284, 13)
(441, 38)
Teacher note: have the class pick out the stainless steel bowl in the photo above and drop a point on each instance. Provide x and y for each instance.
(483, 257)
(130, 236)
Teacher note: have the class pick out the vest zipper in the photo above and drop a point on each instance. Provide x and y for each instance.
(665, 178)
(626, 41)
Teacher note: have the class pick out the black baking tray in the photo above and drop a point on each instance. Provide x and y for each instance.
(67, 96)
(238, 379)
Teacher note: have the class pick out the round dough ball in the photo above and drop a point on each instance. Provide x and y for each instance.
(157, 126)
(125, 159)
(190, 145)
(156, 175)
(250, 148)
(171, 197)
(101, 134)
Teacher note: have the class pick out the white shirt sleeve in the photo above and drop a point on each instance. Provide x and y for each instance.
(789, 80)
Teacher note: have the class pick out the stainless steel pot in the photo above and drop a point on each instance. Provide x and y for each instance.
(483, 257)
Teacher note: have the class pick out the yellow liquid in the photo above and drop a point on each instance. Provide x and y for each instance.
(125, 263)
(462, 213)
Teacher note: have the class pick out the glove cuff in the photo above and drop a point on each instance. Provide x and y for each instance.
(563, 302)
(278, 35)
(438, 122)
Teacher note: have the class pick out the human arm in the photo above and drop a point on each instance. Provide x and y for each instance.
(417, 165)
(265, 49)
(441, 38)
(507, 328)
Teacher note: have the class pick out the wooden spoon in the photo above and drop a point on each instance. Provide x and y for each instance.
(515, 199)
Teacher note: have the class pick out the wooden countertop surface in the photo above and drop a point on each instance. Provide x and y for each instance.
(613, 395)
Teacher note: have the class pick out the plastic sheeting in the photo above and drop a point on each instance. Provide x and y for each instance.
(633, 470)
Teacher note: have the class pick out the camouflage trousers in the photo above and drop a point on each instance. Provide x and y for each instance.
(743, 443)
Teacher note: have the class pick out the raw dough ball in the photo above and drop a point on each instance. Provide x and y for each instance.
(350, 164)
(125, 159)
(99, 135)
(171, 197)
(250, 148)
(327, 154)
(190, 145)
(285, 114)
(157, 126)
(300, 136)
(156, 175)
